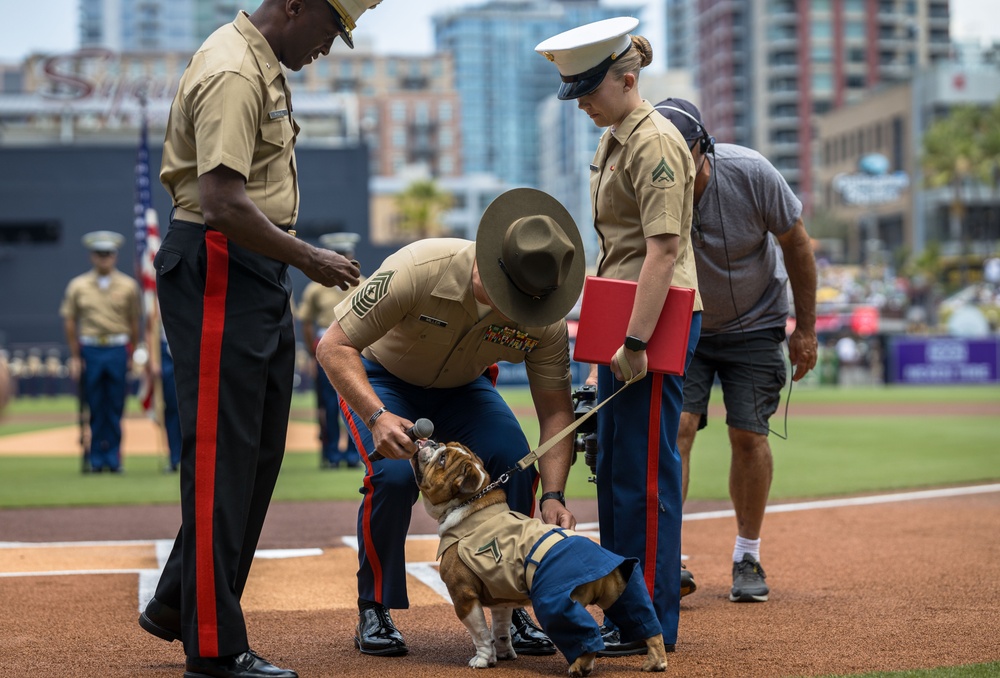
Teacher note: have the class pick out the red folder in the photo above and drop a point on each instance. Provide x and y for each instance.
(604, 314)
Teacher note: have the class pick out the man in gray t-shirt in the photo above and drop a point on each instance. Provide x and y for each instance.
(744, 212)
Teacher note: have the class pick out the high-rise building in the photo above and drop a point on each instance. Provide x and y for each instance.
(154, 25)
(765, 68)
(501, 79)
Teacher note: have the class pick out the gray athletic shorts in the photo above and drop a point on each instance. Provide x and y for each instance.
(751, 369)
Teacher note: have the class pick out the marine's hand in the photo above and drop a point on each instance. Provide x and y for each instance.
(333, 270)
(390, 437)
(555, 513)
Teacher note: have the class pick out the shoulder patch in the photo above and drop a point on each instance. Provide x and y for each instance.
(374, 290)
(663, 172)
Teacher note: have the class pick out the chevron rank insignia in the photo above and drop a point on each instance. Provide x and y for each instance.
(492, 548)
(663, 172)
(375, 289)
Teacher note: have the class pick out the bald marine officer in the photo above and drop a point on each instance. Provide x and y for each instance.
(225, 296)
(422, 338)
(101, 314)
(315, 314)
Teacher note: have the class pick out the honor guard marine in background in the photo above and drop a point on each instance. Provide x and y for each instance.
(101, 313)
(422, 338)
(642, 194)
(225, 295)
(315, 313)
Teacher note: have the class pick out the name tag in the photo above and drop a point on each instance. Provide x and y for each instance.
(274, 115)
(594, 168)
(511, 338)
(433, 321)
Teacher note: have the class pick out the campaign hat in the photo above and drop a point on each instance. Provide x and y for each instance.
(530, 257)
(584, 54)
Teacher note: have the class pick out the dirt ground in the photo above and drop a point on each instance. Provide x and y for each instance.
(888, 585)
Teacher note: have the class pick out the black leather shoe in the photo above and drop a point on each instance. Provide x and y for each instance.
(376, 633)
(161, 620)
(245, 665)
(614, 647)
(526, 637)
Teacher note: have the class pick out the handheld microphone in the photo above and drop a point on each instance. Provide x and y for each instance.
(422, 428)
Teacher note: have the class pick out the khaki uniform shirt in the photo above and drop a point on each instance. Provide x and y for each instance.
(417, 317)
(318, 304)
(643, 186)
(100, 312)
(495, 542)
(233, 108)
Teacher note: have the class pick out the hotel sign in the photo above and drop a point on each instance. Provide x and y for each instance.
(873, 184)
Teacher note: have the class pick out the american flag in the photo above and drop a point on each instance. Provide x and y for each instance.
(147, 242)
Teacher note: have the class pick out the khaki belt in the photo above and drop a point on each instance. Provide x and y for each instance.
(105, 340)
(181, 214)
(539, 550)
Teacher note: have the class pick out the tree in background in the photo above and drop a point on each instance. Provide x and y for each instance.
(961, 149)
(420, 207)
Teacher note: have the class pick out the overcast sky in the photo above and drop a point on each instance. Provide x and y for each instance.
(396, 26)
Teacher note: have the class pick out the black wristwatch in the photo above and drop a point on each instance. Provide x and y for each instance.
(558, 496)
(635, 343)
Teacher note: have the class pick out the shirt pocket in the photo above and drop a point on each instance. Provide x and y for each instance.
(276, 148)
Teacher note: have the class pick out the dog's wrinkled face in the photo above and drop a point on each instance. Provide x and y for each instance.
(446, 472)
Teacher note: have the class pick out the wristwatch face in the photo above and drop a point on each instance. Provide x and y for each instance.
(635, 344)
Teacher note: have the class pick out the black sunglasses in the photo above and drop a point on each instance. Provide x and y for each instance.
(103, 253)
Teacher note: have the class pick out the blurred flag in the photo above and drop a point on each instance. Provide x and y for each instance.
(147, 242)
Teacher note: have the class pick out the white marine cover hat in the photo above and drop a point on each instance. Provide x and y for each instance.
(584, 54)
(103, 241)
(347, 12)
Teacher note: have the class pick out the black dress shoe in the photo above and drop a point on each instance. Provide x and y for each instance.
(614, 647)
(377, 635)
(245, 665)
(526, 637)
(161, 620)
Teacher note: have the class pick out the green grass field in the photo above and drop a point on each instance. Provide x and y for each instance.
(822, 456)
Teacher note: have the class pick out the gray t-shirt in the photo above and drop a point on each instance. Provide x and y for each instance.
(756, 202)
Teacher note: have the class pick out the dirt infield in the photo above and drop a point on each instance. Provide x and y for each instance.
(907, 581)
(898, 585)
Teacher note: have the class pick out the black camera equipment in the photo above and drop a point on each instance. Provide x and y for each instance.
(584, 400)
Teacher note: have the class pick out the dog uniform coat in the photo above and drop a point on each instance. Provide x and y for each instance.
(498, 545)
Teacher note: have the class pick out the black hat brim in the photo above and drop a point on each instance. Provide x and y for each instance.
(581, 87)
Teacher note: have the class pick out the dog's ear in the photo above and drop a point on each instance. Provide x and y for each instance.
(468, 482)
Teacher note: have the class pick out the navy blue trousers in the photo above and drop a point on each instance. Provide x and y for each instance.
(639, 479)
(104, 373)
(474, 415)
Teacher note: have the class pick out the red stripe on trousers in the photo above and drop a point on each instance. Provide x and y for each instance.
(352, 430)
(653, 482)
(212, 326)
(366, 510)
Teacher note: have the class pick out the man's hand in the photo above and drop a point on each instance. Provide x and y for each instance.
(332, 270)
(390, 438)
(554, 513)
(802, 347)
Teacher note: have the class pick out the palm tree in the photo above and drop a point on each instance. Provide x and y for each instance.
(420, 207)
(959, 149)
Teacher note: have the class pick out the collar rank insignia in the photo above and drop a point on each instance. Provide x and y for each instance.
(511, 338)
(375, 289)
(663, 172)
(492, 548)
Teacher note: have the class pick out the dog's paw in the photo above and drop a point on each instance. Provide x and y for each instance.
(481, 662)
(504, 647)
(583, 665)
(654, 665)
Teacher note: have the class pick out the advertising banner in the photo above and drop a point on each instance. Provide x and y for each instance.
(944, 360)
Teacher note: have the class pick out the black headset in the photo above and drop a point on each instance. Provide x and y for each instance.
(706, 144)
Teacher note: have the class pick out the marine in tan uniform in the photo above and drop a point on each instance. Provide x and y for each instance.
(224, 292)
(642, 187)
(422, 338)
(101, 314)
(316, 313)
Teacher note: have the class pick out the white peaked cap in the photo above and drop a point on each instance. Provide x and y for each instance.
(584, 54)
